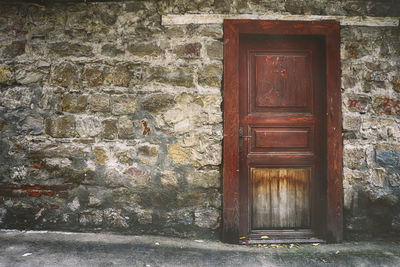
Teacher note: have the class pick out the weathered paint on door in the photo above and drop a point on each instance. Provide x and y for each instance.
(280, 198)
(281, 107)
(282, 131)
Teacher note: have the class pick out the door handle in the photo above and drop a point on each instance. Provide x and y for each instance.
(241, 136)
(241, 133)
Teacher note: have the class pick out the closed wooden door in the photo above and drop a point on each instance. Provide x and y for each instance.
(281, 137)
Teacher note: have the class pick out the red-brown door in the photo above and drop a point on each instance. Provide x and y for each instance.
(281, 145)
(282, 166)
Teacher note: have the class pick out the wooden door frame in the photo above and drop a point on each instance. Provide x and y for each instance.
(333, 228)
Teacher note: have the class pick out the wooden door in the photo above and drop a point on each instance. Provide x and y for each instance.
(282, 166)
(281, 138)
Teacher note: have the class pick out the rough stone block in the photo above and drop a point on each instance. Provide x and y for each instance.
(357, 103)
(71, 49)
(178, 154)
(88, 126)
(138, 177)
(348, 81)
(191, 50)
(112, 50)
(28, 76)
(110, 129)
(179, 217)
(394, 179)
(148, 150)
(93, 201)
(128, 74)
(61, 127)
(379, 129)
(125, 128)
(351, 123)
(206, 179)
(125, 156)
(144, 216)
(222, 6)
(5, 74)
(16, 97)
(98, 75)
(4, 125)
(65, 74)
(215, 50)
(191, 199)
(157, 103)
(387, 157)
(148, 153)
(100, 155)
(74, 205)
(16, 48)
(178, 77)
(211, 75)
(123, 104)
(135, 7)
(169, 178)
(207, 218)
(189, 112)
(144, 49)
(395, 82)
(99, 103)
(213, 31)
(91, 218)
(352, 51)
(175, 31)
(386, 105)
(354, 157)
(206, 154)
(74, 103)
(33, 124)
(124, 196)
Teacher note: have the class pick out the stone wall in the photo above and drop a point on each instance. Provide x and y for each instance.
(371, 135)
(111, 121)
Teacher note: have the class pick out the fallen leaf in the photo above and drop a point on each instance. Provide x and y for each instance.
(277, 246)
(294, 246)
(315, 244)
(243, 237)
(264, 237)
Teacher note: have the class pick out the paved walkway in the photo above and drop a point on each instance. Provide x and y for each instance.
(89, 249)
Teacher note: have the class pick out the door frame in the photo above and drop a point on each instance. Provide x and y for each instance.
(333, 228)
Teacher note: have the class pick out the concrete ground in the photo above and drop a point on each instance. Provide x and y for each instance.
(28, 248)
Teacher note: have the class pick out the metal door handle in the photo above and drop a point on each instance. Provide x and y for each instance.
(241, 136)
(241, 133)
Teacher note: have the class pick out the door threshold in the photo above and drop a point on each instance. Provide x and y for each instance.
(286, 236)
(251, 241)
